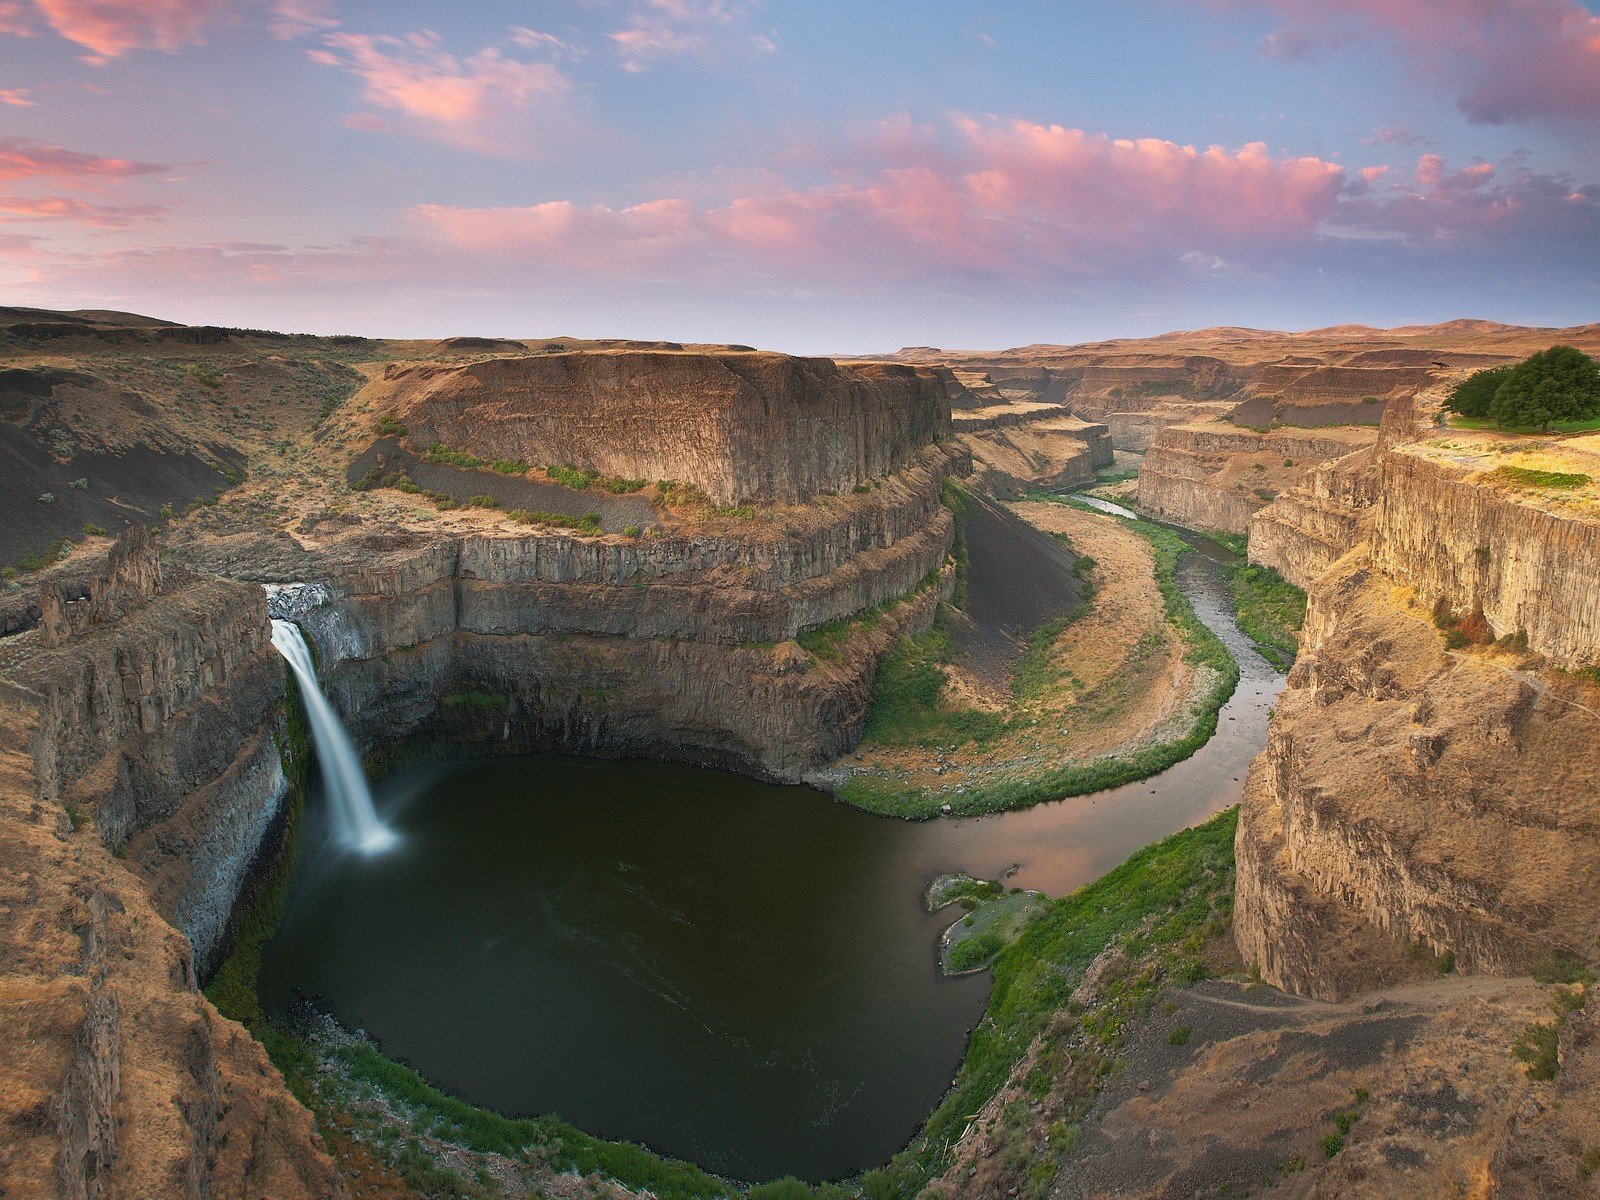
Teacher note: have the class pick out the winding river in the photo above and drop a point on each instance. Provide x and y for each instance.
(727, 971)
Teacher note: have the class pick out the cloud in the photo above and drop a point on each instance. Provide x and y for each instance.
(987, 198)
(111, 28)
(660, 29)
(65, 208)
(1506, 60)
(478, 101)
(16, 97)
(27, 158)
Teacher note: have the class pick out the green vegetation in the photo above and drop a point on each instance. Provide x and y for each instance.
(90, 529)
(506, 466)
(440, 453)
(588, 523)
(908, 699)
(1179, 1036)
(389, 426)
(482, 502)
(1531, 477)
(1474, 394)
(1561, 384)
(568, 476)
(1270, 610)
(904, 712)
(1158, 908)
(1538, 1048)
(49, 556)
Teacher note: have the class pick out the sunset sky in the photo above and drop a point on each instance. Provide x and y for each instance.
(815, 177)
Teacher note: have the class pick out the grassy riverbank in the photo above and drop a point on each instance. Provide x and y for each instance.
(1148, 921)
(912, 705)
(1270, 611)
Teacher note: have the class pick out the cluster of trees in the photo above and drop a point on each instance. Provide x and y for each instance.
(1558, 384)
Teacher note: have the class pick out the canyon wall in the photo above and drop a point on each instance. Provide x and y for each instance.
(155, 696)
(138, 776)
(1429, 797)
(1018, 446)
(679, 645)
(1215, 476)
(740, 426)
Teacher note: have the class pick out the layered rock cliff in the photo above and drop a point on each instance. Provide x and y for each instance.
(740, 426)
(680, 645)
(138, 776)
(1430, 794)
(1216, 475)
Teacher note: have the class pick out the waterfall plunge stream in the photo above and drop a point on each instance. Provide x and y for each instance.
(355, 820)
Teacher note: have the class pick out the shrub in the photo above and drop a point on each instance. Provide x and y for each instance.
(93, 530)
(440, 453)
(47, 498)
(507, 466)
(483, 502)
(390, 427)
(1179, 1036)
(568, 476)
(632, 531)
(1538, 1049)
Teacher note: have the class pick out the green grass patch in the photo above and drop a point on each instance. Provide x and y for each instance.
(569, 476)
(1533, 478)
(1160, 906)
(1270, 610)
(1587, 426)
(908, 699)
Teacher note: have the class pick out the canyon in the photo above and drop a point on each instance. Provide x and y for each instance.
(706, 554)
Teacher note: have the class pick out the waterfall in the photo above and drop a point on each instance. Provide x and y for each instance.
(355, 820)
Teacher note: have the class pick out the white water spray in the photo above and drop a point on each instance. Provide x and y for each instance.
(355, 820)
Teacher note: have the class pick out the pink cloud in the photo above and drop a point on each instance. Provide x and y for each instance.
(65, 208)
(16, 98)
(26, 158)
(1507, 60)
(111, 28)
(995, 197)
(471, 101)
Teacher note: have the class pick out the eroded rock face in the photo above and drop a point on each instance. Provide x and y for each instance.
(1527, 561)
(119, 1081)
(155, 694)
(1215, 475)
(740, 426)
(678, 646)
(1415, 802)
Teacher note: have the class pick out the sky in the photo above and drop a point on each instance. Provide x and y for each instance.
(816, 177)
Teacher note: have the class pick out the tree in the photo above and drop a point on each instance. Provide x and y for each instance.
(1558, 384)
(1473, 395)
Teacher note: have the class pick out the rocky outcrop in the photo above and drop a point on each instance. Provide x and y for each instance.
(1319, 520)
(1215, 475)
(1427, 790)
(1414, 802)
(739, 426)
